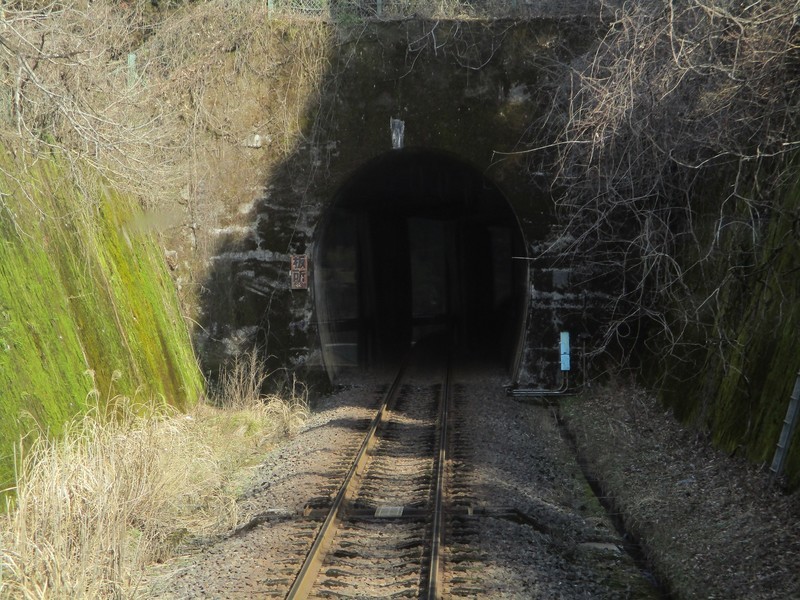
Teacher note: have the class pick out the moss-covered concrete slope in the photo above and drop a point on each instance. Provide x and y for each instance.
(739, 373)
(85, 303)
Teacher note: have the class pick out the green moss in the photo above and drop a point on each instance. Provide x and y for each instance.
(85, 304)
(745, 358)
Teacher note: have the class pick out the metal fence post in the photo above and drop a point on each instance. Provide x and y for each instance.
(131, 69)
(789, 425)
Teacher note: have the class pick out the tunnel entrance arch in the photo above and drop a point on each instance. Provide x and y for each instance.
(418, 245)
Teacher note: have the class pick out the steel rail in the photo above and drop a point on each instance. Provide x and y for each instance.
(309, 572)
(435, 565)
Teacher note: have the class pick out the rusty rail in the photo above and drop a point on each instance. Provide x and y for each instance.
(435, 565)
(308, 573)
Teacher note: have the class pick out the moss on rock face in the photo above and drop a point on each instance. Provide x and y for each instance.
(737, 378)
(86, 304)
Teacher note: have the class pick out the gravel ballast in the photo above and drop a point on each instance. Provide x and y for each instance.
(712, 526)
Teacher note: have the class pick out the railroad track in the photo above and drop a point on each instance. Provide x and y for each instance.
(419, 514)
(382, 536)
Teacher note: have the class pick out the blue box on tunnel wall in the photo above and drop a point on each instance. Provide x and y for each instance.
(565, 350)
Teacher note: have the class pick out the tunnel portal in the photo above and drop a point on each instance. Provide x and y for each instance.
(417, 245)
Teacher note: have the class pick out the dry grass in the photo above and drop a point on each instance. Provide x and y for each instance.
(127, 483)
(147, 96)
(241, 388)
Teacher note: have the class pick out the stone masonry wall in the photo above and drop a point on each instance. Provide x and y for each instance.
(470, 89)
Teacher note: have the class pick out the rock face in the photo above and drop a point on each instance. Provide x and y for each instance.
(464, 91)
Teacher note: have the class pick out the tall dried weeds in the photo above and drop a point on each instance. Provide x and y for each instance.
(110, 495)
(124, 485)
(242, 385)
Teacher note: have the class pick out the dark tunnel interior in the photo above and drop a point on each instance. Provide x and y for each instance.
(417, 246)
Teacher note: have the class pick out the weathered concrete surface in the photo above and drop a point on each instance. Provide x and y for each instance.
(464, 88)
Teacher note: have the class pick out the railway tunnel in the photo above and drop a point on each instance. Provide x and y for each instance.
(402, 245)
(418, 245)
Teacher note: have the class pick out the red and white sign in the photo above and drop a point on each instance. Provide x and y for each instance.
(298, 271)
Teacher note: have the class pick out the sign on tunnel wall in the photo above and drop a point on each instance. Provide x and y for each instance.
(298, 271)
